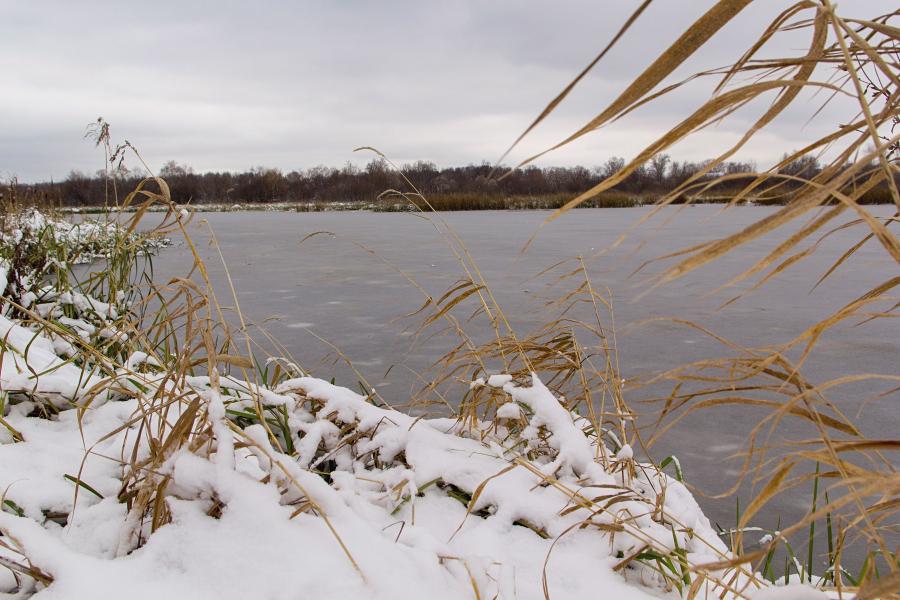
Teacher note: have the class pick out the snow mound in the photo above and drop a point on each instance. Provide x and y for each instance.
(341, 499)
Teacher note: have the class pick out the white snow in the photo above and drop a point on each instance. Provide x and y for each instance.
(31, 366)
(625, 453)
(509, 410)
(788, 592)
(499, 381)
(406, 535)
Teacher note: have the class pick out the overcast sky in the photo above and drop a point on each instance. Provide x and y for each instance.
(231, 85)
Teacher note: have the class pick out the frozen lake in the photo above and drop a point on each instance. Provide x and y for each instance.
(333, 288)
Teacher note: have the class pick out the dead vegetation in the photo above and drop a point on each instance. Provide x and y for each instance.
(199, 388)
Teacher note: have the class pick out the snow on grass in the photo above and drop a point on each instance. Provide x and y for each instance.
(31, 366)
(34, 470)
(409, 506)
(399, 554)
(85, 241)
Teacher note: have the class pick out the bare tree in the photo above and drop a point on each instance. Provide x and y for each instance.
(659, 163)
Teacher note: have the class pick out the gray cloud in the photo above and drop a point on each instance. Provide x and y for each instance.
(229, 85)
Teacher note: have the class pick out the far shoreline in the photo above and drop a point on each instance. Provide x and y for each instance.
(438, 205)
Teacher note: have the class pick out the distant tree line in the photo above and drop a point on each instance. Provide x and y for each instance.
(353, 184)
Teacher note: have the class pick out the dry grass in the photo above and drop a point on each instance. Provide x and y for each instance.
(182, 326)
(853, 58)
(856, 475)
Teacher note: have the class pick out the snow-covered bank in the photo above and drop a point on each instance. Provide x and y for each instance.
(420, 506)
